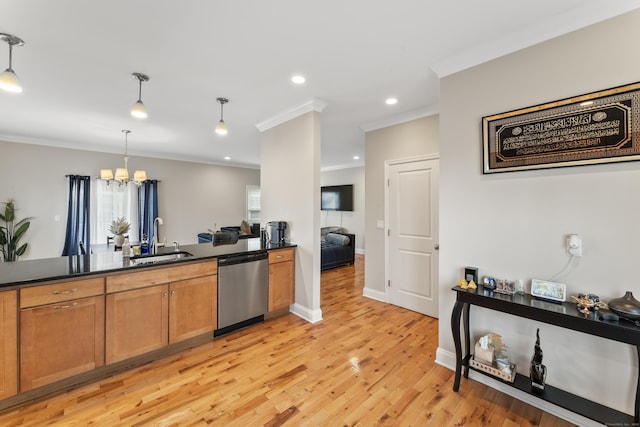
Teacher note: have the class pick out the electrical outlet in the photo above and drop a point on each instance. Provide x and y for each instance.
(574, 245)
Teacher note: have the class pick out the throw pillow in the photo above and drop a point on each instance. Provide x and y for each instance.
(337, 239)
(244, 227)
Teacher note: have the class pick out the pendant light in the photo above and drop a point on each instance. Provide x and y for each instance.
(138, 111)
(122, 174)
(221, 129)
(8, 79)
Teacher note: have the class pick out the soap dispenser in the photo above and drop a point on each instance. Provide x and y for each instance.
(144, 246)
(126, 248)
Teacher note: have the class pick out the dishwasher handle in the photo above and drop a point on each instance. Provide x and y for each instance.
(242, 258)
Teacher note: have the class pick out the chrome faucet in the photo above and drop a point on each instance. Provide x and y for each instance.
(156, 228)
(176, 246)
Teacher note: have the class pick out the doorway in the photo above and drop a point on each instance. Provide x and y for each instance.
(412, 234)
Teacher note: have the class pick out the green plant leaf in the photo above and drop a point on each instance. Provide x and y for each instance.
(20, 231)
(21, 250)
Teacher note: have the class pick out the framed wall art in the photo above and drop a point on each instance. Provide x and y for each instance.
(599, 127)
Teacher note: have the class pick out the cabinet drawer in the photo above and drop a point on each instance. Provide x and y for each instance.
(61, 291)
(160, 275)
(281, 255)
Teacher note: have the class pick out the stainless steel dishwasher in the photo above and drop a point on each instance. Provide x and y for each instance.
(243, 290)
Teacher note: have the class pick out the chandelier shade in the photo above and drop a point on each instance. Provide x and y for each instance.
(122, 174)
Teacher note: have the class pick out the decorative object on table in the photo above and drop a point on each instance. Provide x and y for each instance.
(504, 286)
(627, 307)
(586, 129)
(463, 284)
(489, 283)
(548, 291)
(538, 371)
(490, 357)
(588, 303)
(119, 227)
(518, 286)
(471, 274)
(11, 233)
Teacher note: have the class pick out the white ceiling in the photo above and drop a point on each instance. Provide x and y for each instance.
(78, 57)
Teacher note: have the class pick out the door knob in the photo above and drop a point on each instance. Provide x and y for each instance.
(437, 247)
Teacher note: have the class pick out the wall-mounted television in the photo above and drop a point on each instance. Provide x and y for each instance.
(336, 198)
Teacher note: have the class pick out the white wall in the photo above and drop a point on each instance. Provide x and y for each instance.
(514, 225)
(414, 138)
(352, 221)
(192, 196)
(290, 191)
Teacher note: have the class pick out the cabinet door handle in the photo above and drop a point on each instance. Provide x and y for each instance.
(62, 307)
(164, 294)
(65, 292)
(278, 256)
(173, 293)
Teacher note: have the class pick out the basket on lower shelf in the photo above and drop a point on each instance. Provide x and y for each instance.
(493, 371)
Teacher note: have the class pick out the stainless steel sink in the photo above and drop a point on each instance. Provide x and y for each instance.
(158, 258)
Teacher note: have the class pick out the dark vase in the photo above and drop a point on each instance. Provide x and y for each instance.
(537, 371)
(626, 306)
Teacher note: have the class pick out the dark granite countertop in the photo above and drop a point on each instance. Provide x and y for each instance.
(67, 267)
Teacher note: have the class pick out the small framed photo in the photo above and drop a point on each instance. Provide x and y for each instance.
(471, 273)
(489, 282)
(553, 291)
(504, 286)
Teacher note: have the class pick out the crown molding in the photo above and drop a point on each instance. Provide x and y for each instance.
(399, 119)
(358, 164)
(56, 143)
(314, 104)
(551, 27)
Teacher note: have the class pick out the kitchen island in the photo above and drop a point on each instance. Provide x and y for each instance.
(72, 320)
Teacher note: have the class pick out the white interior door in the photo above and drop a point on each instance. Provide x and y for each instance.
(412, 237)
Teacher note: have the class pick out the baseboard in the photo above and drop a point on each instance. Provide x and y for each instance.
(311, 316)
(360, 251)
(376, 295)
(448, 360)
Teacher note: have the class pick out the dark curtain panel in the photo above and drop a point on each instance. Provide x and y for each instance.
(148, 205)
(78, 228)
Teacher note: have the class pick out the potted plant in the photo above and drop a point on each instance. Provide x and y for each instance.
(119, 227)
(11, 233)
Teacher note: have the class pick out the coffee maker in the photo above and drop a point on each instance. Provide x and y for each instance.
(276, 231)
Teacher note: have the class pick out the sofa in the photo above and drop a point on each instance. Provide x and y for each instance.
(208, 237)
(337, 248)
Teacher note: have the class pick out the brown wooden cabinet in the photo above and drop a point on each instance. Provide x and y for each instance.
(192, 307)
(61, 335)
(8, 344)
(281, 278)
(142, 318)
(136, 322)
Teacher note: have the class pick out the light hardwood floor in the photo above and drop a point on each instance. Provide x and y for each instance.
(366, 364)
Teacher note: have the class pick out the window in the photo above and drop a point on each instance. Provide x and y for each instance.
(111, 201)
(253, 204)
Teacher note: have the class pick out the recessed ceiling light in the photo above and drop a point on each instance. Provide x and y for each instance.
(586, 103)
(391, 101)
(356, 157)
(227, 158)
(298, 79)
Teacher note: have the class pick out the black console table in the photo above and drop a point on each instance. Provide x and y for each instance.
(562, 315)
